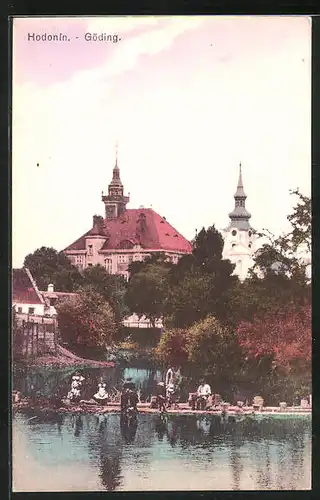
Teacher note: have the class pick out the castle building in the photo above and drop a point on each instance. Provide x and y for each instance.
(240, 238)
(125, 235)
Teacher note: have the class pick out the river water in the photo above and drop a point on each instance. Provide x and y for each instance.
(90, 452)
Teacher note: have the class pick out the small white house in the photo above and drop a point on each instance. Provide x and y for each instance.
(26, 298)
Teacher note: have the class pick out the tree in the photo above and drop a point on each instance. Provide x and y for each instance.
(280, 273)
(189, 300)
(47, 265)
(285, 334)
(171, 349)
(200, 283)
(111, 286)
(147, 288)
(86, 321)
(214, 352)
(289, 253)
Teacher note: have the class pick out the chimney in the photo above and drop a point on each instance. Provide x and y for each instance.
(51, 288)
(98, 223)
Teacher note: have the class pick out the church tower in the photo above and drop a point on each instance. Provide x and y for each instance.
(239, 236)
(115, 202)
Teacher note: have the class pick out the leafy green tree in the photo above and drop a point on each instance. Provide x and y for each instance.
(288, 254)
(47, 265)
(189, 300)
(214, 352)
(86, 321)
(111, 286)
(148, 287)
(280, 273)
(200, 283)
(171, 349)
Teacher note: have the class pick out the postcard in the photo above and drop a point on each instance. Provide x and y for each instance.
(161, 281)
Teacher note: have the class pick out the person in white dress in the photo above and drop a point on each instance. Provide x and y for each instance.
(76, 384)
(101, 396)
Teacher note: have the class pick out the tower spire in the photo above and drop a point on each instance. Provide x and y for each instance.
(240, 184)
(239, 215)
(115, 202)
(116, 148)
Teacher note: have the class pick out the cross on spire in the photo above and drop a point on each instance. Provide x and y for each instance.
(240, 184)
(116, 148)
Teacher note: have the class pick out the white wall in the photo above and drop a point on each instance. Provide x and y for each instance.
(38, 308)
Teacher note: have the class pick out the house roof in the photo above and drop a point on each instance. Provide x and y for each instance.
(138, 226)
(24, 291)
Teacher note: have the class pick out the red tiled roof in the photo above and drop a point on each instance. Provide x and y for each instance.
(139, 226)
(23, 291)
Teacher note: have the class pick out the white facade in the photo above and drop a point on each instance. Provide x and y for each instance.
(133, 321)
(115, 261)
(34, 309)
(239, 247)
(241, 241)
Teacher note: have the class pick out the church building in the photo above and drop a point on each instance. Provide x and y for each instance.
(125, 235)
(240, 238)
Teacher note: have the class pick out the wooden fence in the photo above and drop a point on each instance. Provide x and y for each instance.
(34, 336)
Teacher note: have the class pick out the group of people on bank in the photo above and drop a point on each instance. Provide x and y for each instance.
(167, 392)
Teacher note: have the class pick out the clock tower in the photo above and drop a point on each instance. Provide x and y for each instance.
(239, 236)
(115, 202)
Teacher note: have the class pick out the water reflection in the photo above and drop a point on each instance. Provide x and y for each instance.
(160, 453)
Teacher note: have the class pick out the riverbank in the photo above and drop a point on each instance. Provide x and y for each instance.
(64, 358)
(183, 409)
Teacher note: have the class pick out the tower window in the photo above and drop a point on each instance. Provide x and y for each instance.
(90, 265)
(233, 245)
(90, 250)
(234, 232)
(250, 233)
(250, 245)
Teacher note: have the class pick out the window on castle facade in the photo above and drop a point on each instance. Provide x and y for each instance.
(79, 259)
(122, 259)
(90, 250)
(108, 264)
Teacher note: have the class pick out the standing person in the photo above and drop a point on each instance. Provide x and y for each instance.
(170, 376)
(76, 386)
(129, 395)
(161, 396)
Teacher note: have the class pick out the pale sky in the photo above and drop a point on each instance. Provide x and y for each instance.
(187, 99)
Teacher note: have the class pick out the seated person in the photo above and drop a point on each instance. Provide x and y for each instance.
(101, 396)
(203, 393)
